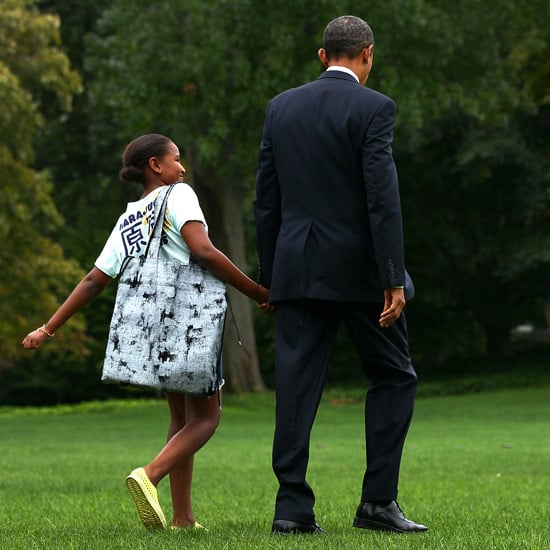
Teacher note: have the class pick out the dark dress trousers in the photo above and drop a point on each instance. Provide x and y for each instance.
(330, 240)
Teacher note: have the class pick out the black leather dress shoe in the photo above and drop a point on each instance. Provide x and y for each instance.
(388, 517)
(286, 527)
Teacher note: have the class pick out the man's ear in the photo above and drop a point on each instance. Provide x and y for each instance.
(368, 52)
(323, 56)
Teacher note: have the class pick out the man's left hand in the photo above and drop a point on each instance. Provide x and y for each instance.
(394, 302)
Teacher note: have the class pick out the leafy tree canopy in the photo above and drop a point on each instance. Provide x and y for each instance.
(470, 80)
(33, 71)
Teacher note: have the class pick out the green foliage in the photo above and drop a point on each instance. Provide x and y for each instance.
(64, 469)
(35, 272)
(475, 173)
(199, 74)
(18, 117)
(86, 183)
(471, 84)
(478, 217)
(528, 367)
(33, 69)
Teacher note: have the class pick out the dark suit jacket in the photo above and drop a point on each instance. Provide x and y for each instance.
(327, 208)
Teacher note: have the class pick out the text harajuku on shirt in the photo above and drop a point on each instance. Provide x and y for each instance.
(132, 231)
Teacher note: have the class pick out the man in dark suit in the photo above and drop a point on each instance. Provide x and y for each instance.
(330, 247)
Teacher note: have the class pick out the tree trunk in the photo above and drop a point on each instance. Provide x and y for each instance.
(222, 206)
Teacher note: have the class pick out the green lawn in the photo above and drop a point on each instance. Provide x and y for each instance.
(476, 470)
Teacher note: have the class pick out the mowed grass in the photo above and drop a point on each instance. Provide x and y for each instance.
(476, 470)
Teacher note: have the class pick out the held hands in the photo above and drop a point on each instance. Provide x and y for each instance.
(263, 301)
(394, 303)
(268, 309)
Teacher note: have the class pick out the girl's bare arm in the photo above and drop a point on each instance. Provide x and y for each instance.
(89, 287)
(202, 249)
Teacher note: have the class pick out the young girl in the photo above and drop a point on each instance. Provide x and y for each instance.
(154, 161)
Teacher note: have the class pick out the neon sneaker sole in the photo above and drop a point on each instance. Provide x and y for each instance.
(145, 496)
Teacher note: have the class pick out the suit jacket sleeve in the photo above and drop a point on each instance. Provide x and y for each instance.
(267, 205)
(380, 177)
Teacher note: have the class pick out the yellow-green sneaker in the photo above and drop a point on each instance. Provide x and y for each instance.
(145, 496)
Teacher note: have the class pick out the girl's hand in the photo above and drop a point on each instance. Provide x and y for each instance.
(263, 301)
(263, 296)
(267, 308)
(34, 339)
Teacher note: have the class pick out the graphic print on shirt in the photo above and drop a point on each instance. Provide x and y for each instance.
(135, 230)
(165, 227)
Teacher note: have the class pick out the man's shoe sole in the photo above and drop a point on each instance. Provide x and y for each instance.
(378, 526)
(282, 527)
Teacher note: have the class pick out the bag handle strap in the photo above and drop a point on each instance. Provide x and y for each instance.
(153, 246)
(157, 228)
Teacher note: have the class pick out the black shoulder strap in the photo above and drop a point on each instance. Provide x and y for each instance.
(153, 245)
(160, 210)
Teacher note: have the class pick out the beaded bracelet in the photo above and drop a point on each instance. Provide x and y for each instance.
(43, 330)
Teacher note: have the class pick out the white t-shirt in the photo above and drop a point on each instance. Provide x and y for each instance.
(131, 233)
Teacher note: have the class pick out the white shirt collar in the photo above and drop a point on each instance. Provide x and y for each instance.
(343, 69)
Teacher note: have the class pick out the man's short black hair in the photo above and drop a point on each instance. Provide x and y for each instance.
(346, 36)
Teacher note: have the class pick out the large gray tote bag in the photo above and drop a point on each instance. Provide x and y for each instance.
(167, 324)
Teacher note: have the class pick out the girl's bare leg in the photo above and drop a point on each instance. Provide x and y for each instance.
(193, 421)
(181, 476)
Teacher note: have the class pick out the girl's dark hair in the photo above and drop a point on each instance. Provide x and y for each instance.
(137, 154)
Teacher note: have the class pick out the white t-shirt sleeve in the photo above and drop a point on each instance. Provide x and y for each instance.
(111, 257)
(183, 206)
